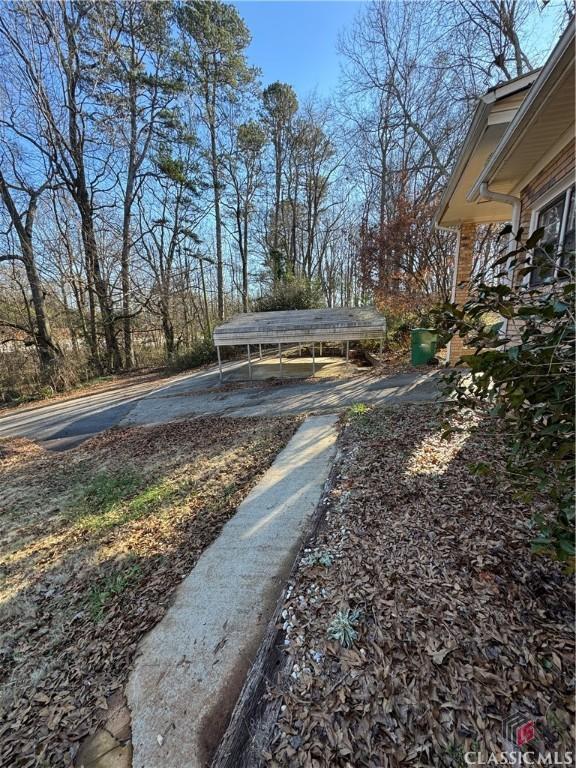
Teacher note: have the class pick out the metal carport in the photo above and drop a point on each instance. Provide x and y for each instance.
(299, 326)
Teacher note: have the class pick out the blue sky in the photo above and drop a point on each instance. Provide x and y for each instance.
(295, 41)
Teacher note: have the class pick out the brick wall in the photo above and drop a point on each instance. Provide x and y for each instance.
(557, 169)
(461, 281)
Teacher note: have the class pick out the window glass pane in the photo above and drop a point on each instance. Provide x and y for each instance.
(567, 258)
(545, 253)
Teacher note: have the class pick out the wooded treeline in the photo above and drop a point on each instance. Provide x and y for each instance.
(151, 184)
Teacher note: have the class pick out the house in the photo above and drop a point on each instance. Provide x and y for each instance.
(517, 166)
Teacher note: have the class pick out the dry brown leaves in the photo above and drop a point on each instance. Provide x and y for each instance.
(58, 663)
(460, 625)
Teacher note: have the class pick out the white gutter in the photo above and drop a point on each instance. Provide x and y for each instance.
(479, 123)
(519, 125)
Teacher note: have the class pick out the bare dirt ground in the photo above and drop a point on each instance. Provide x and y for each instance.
(93, 543)
(419, 621)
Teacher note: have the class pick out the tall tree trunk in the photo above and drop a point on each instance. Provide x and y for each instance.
(125, 267)
(277, 186)
(210, 101)
(241, 234)
(126, 218)
(245, 261)
(218, 228)
(49, 353)
(78, 186)
(207, 329)
(92, 325)
(167, 327)
(100, 287)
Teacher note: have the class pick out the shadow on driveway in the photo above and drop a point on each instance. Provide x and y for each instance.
(72, 433)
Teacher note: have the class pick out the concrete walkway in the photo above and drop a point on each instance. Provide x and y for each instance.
(191, 667)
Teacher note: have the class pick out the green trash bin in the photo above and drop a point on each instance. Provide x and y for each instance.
(423, 347)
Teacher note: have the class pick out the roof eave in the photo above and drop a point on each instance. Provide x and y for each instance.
(479, 123)
(518, 125)
(474, 134)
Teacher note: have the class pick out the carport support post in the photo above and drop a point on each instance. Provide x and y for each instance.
(260, 350)
(347, 350)
(249, 362)
(320, 349)
(219, 363)
(280, 356)
(313, 360)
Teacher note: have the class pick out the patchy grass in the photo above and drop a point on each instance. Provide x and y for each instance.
(110, 587)
(152, 498)
(102, 495)
(109, 500)
(434, 622)
(93, 542)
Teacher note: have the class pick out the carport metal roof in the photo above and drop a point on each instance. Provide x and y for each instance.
(299, 326)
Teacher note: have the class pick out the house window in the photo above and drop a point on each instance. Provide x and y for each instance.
(569, 245)
(556, 247)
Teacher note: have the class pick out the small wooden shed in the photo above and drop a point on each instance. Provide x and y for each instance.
(300, 326)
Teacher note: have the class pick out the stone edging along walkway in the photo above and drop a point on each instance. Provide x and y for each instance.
(190, 668)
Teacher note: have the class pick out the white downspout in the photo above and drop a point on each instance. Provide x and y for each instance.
(515, 202)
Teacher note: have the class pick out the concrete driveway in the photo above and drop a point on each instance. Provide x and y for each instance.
(63, 424)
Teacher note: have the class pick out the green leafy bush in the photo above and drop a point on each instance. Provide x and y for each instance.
(201, 353)
(527, 377)
(291, 293)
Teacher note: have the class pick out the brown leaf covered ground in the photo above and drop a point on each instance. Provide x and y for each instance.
(93, 542)
(460, 626)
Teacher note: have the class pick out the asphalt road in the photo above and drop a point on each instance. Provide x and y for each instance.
(62, 425)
